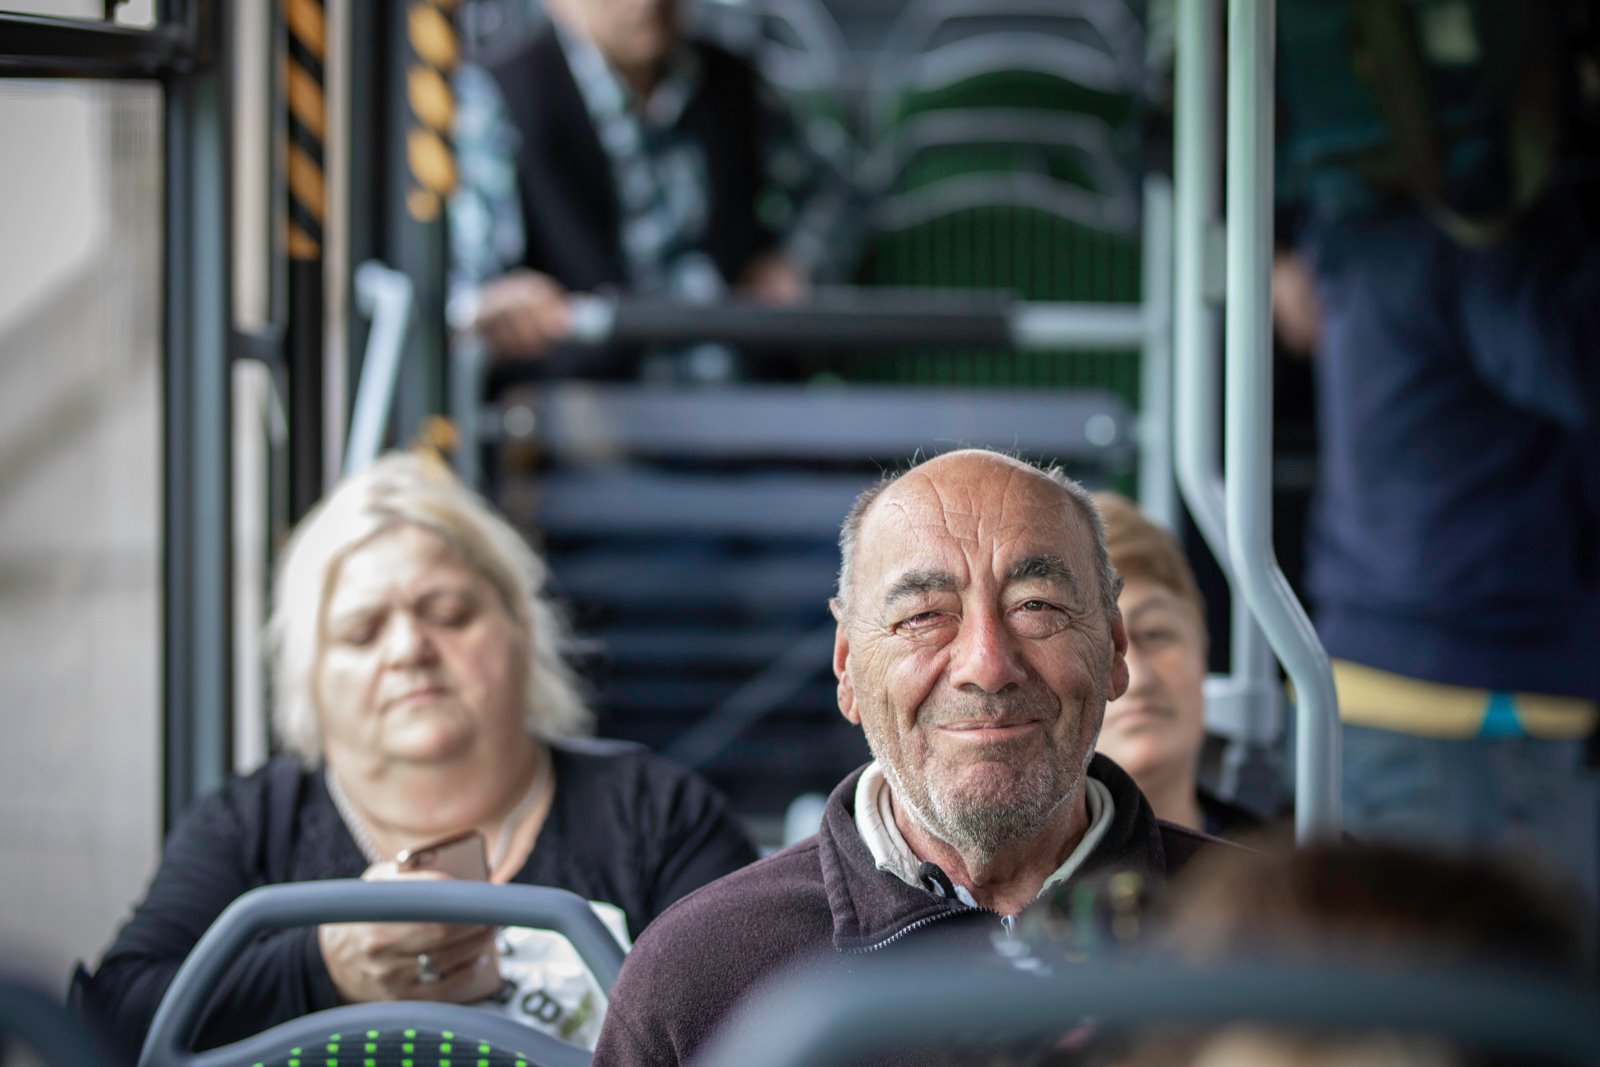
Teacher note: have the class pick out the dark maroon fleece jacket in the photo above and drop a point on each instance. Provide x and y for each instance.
(824, 898)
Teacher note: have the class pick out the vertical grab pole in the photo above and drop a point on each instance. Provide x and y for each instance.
(1157, 496)
(1252, 691)
(303, 80)
(1248, 445)
(1195, 169)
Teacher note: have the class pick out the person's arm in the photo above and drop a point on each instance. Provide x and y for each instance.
(204, 868)
(640, 1027)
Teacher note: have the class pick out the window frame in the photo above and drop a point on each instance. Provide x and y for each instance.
(184, 53)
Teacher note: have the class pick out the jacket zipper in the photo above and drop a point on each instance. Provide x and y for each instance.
(1007, 922)
(919, 924)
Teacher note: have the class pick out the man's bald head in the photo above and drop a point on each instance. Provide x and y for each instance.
(964, 463)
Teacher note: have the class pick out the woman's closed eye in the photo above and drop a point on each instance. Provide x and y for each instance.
(361, 632)
(450, 611)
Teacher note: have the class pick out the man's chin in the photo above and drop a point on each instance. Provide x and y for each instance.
(995, 789)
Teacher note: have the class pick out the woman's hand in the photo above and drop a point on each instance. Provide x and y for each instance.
(384, 961)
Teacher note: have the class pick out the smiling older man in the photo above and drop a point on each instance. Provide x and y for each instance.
(978, 642)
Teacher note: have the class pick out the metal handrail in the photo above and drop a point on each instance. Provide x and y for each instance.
(1248, 444)
(1246, 701)
(384, 295)
(857, 318)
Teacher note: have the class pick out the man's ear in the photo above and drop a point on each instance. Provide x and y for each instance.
(841, 668)
(1117, 684)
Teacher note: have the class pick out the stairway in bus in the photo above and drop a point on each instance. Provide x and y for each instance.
(692, 533)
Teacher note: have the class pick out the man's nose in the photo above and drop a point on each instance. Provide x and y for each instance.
(408, 641)
(986, 654)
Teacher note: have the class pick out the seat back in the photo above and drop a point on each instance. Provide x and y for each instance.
(381, 1034)
(930, 1000)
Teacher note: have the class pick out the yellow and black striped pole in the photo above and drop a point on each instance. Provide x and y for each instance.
(429, 156)
(306, 109)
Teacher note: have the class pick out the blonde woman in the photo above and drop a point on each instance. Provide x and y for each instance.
(421, 692)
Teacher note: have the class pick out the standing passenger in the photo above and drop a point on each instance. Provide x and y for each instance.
(637, 160)
(1454, 549)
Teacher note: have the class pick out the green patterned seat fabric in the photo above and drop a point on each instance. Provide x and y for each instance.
(399, 1048)
(1034, 254)
(1020, 90)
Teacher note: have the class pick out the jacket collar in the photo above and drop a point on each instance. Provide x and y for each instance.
(871, 907)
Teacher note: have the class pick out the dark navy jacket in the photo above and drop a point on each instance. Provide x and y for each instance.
(1455, 535)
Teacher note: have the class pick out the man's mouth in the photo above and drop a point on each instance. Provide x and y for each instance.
(977, 731)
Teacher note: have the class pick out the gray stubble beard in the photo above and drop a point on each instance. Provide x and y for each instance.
(981, 832)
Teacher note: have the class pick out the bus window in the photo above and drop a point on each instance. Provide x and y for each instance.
(80, 510)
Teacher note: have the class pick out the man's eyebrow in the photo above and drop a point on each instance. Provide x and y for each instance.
(1042, 568)
(919, 583)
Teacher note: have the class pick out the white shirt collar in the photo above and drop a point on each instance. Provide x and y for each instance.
(875, 822)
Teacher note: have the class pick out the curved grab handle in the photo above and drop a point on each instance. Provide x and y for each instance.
(385, 296)
(1246, 702)
(279, 907)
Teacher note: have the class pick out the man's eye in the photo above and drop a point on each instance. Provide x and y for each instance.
(1037, 618)
(922, 620)
(1155, 637)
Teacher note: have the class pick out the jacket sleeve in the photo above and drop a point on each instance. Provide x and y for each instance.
(630, 1041)
(661, 1009)
(204, 868)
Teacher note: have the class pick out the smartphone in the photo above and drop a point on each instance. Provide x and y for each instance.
(463, 856)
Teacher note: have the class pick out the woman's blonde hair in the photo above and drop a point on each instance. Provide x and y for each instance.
(1142, 551)
(404, 489)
